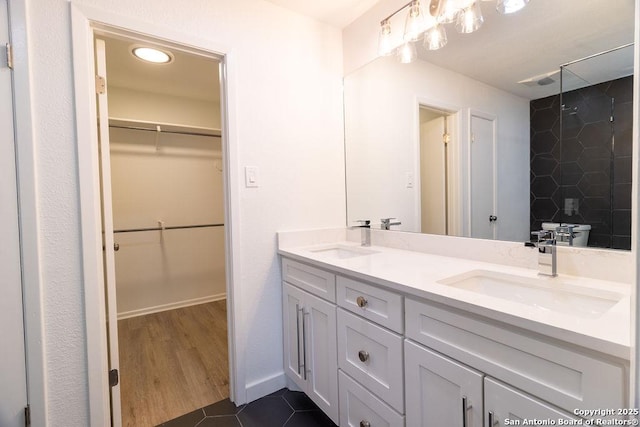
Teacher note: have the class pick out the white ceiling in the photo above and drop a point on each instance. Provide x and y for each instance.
(338, 13)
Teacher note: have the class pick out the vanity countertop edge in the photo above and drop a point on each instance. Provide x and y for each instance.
(416, 274)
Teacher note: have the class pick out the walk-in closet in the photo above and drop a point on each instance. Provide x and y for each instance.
(166, 178)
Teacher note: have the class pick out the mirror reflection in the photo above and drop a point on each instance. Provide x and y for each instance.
(479, 139)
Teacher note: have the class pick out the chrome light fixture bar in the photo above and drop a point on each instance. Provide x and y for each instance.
(466, 14)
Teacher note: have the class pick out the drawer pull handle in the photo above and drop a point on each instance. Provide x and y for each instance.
(364, 423)
(465, 409)
(492, 420)
(362, 302)
(363, 356)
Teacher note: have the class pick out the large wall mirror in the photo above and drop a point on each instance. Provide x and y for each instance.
(481, 139)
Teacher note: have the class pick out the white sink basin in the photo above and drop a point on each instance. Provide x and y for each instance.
(343, 251)
(545, 294)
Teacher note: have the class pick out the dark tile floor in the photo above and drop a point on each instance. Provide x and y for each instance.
(284, 408)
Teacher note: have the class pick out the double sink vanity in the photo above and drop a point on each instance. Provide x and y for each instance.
(414, 333)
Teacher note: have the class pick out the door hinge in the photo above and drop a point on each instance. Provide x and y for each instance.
(9, 55)
(27, 415)
(113, 377)
(101, 85)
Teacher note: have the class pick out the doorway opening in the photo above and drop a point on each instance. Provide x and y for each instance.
(163, 227)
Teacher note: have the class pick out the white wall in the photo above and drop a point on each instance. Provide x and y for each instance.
(381, 130)
(288, 122)
(145, 106)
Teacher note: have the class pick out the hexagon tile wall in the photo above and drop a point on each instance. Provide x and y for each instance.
(582, 172)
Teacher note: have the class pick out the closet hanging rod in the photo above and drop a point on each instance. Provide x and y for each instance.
(172, 227)
(179, 132)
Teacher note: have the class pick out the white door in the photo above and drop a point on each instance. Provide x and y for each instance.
(440, 391)
(13, 378)
(433, 177)
(482, 178)
(506, 406)
(107, 230)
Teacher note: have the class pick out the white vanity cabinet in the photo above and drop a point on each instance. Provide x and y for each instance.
(310, 344)
(370, 356)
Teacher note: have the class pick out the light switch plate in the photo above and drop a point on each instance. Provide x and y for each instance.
(251, 176)
(410, 180)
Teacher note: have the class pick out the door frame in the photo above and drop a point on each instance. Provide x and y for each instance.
(84, 21)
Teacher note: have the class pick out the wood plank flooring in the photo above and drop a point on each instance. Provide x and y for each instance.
(172, 363)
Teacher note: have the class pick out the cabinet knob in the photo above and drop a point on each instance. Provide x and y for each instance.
(363, 356)
(116, 247)
(362, 302)
(364, 423)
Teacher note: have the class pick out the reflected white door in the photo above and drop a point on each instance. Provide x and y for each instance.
(433, 199)
(107, 231)
(13, 377)
(482, 178)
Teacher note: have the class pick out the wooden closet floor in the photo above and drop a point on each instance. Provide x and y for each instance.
(172, 363)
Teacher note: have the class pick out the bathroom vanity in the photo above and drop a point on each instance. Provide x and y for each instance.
(385, 336)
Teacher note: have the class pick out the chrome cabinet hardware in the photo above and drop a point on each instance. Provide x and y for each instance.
(362, 302)
(363, 356)
(116, 247)
(465, 410)
(364, 423)
(298, 310)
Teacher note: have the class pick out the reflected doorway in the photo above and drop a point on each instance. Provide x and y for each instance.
(434, 158)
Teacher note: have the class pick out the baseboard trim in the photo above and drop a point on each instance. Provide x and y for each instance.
(265, 386)
(170, 306)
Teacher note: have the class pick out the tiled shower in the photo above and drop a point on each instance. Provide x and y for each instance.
(581, 161)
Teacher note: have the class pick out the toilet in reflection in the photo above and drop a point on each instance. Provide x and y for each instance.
(581, 233)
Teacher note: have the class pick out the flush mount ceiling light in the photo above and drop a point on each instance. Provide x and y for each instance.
(153, 55)
(429, 25)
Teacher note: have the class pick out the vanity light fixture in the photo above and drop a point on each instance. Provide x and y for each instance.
(153, 55)
(466, 14)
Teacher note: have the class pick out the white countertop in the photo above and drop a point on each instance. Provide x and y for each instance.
(417, 274)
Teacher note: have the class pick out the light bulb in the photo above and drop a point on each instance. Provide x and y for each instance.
(510, 6)
(385, 47)
(469, 19)
(435, 38)
(415, 24)
(407, 53)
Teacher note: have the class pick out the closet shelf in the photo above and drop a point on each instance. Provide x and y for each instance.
(164, 127)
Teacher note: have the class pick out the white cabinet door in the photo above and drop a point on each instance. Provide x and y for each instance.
(319, 328)
(310, 352)
(439, 391)
(293, 303)
(507, 406)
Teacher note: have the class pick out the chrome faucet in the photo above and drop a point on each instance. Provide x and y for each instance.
(565, 234)
(386, 223)
(365, 233)
(547, 258)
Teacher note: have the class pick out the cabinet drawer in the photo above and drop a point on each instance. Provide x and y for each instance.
(311, 279)
(371, 302)
(568, 376)
(358, 407)
(371, 355)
